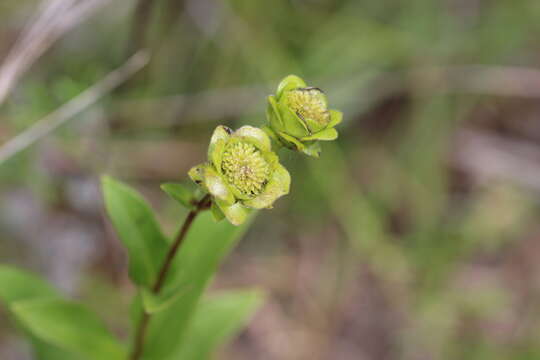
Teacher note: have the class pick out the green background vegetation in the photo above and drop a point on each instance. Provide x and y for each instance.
(414, 236)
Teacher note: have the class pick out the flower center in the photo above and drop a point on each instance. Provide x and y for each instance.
(245, 168)
(308, 103)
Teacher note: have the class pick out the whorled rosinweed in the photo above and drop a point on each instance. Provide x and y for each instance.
(242, 173)
(299, 117)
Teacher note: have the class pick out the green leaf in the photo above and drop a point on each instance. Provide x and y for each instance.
(137, 228)
(180, 193)
(217, 320)
(69, 326)
(46, 351)
(16, 285)
(204, 247)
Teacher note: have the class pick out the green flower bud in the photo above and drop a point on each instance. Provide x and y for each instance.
(242, 173)
(298, 116)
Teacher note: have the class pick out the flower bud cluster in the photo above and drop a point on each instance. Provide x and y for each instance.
(243, 171)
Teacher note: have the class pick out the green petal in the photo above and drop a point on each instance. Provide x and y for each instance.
(313, 149)
(271, 158)
(273, 115)
(323, 97)
(196, 173)
(255, 135)
(215, 153)
(216, 186)
(292, 124)
(276, 142)
(335, 118)
(216, 212)
(278, 186)
(296, 143)
(288, 83)
(220, 133)
(315, 126)
(326, 135)
(235, 213)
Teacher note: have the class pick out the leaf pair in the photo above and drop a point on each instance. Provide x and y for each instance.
(64, 330)
(182, 325)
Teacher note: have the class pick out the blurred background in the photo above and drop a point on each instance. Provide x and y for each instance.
(415, 236)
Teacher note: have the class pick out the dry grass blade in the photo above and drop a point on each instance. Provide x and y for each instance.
(56, 17)
(73, 107)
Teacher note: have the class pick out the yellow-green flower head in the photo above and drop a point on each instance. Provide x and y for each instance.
(242, 173)
(299, 116)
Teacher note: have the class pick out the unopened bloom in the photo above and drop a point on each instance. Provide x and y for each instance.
(242, 173)
(299, 116)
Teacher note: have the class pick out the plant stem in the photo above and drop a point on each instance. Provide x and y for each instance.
(140, 333)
